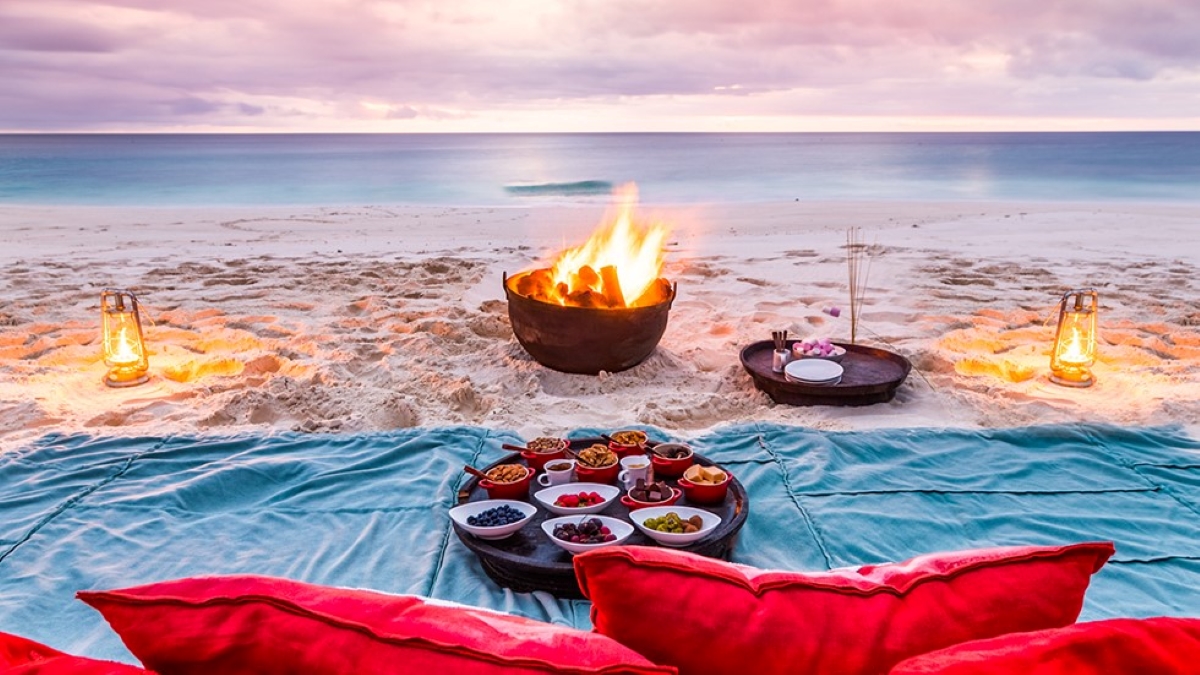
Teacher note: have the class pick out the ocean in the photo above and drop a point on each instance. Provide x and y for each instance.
(512, 169)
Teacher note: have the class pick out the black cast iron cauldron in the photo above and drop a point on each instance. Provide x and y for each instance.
(586, 340)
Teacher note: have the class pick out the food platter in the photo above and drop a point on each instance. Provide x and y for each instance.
(528, 561)
(870, 376)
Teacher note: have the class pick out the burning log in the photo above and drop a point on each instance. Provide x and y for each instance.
(612, 287)
(658, 292)
(588, 298)
(588, 277)
(535, 282)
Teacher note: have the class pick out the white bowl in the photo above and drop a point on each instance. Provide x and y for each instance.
(621, 529)
(711, 521)
(547, 496)
(459, 515)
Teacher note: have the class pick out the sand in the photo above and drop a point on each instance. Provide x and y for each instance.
(372, 318)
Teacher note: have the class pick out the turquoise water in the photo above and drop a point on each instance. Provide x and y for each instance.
(499, 169)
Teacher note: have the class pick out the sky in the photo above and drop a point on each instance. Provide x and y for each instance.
(598, 65)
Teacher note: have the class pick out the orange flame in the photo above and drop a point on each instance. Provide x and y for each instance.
(1072, 351)
(123, 352)
(618, 266)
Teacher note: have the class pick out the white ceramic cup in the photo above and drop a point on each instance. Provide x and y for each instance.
(552, 477)
(634, 467)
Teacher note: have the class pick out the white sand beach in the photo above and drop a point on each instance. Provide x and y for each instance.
(358, 319)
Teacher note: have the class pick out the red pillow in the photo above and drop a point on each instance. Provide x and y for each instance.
(260, 625)
(1162, 646)
(712, 617)
(22, 656)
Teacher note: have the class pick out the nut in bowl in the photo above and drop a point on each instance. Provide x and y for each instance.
(541, 450)
(670, 460)
(565, 499)
(705, 484)
(597, 464)
(628, 442)
(812, 348)
(578, 534)
(675, 525)
(507, 481)
(492, 518)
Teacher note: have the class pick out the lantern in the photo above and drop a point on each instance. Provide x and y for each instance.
(1075, 342)
(124, 347)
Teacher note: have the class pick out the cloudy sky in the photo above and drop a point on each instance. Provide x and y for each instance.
(598, 65)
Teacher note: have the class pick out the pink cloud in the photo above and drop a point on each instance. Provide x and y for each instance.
(105, 63)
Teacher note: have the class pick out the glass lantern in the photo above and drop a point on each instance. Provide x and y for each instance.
(1075, 342)
(124, 345)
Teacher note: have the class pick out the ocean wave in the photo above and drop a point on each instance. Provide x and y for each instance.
(579, 187)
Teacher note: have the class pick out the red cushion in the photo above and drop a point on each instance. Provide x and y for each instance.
(713, 617)
(247, 624)
(22, 656)
(1161, 646)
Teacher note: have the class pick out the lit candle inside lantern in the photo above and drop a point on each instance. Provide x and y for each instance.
(1075, 342)
(124, 347)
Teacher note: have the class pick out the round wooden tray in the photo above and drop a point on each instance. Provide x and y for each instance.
(872, 376)
(528, 561)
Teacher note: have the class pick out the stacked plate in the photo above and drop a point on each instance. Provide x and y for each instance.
(818, 372)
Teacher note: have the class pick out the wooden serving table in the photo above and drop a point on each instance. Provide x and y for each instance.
(871, 376)
(528, 561)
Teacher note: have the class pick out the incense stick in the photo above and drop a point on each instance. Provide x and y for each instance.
(859, 274)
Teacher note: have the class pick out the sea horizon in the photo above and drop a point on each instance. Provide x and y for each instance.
(514, 169)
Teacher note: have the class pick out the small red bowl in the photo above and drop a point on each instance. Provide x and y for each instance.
(626, 449)
(706, 493)
(633, 504)
(518, 489)
(671, 468)
(538, 460)
(607, 474)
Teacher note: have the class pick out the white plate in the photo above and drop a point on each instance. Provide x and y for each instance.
(826, 383)
(711, 521)
(547, 496)
(813, 370)
(459, 515)
(621, 529)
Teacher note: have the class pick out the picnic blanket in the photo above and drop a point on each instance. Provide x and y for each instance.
(370, 511)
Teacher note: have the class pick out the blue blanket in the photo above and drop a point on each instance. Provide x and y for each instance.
(369, 511)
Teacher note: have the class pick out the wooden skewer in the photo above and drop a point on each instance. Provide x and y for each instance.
(475, 472)
(518, 448)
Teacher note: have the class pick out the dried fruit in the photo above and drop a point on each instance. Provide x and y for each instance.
(630, 437)
(597, 457)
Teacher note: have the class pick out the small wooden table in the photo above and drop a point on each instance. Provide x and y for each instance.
(871, 376)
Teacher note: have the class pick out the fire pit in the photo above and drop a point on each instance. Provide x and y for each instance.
(574, 315)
